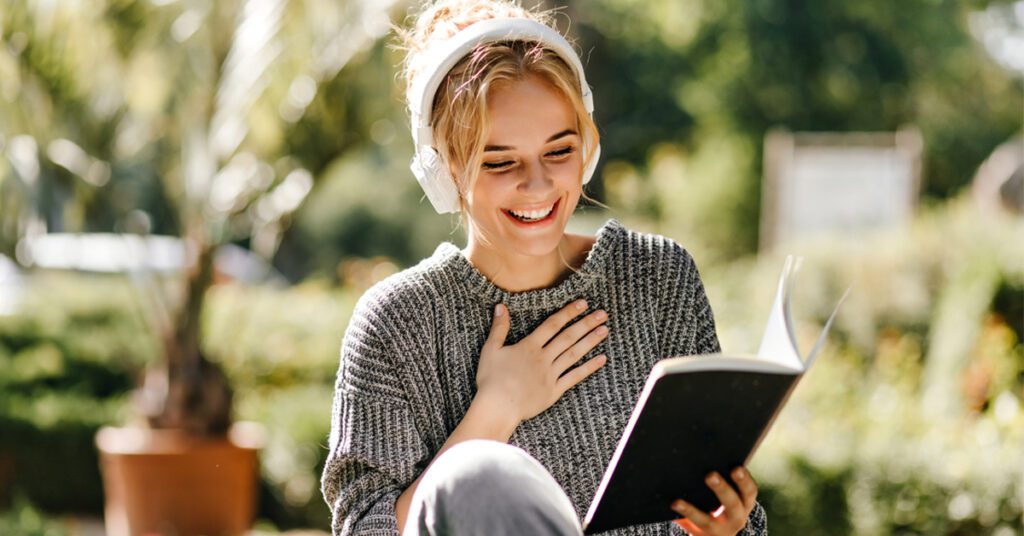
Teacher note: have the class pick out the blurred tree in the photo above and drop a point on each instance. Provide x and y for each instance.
(103, 105)
(713, 76)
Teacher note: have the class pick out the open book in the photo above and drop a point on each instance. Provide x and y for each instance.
(696, 415)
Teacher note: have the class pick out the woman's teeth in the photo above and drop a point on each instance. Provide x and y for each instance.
(531, 215)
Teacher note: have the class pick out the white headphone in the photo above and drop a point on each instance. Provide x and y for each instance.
(428, 167)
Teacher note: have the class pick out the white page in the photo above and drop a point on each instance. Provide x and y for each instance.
(779, 342)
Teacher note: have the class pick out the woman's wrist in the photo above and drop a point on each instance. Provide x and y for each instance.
(492, 416)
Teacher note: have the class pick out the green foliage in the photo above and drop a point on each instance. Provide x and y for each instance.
(736, 69)
(367, 206)
(280, 349)
(67, 362)
(24, 519)
(293, 459)
(71, 356)
(276, 338)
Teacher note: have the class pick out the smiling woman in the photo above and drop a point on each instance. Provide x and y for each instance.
(483, 390)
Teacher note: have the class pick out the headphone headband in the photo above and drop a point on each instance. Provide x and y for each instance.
(427, 165)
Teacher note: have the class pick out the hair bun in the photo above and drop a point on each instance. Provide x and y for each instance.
(439, 20)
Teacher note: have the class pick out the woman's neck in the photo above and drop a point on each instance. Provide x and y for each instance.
(515, 272)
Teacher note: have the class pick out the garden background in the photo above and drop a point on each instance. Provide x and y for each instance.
(910, 423)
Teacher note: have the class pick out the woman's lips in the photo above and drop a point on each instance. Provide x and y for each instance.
(531, 224)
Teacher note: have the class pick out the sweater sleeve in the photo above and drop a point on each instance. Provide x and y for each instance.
(686, 322)
(374, 444)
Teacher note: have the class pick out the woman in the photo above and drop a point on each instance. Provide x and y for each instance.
(484, 390)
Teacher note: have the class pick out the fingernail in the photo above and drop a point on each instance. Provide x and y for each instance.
(603, 330)
(498, 310)
(600, 315)
(740, 474)
(679, 505)
(713, 479)
(581, 305)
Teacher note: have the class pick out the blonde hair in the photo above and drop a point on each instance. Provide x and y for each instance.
(459, 112)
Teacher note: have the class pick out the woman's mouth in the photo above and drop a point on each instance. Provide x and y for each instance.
(530, 218)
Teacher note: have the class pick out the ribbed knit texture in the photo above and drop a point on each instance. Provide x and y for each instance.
(410, 353)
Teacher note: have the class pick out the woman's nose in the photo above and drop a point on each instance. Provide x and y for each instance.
(534, 178)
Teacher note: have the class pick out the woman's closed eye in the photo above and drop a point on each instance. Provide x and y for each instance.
(498, 166)
(504, 165)
(563, 152)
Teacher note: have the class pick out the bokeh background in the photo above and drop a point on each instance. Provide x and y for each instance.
(280, 127)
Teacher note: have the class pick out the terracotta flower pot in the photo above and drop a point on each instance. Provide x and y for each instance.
(170, 483)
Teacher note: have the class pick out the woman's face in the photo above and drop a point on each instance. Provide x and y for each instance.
(530, 180)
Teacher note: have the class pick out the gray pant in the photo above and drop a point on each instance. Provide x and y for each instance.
(489, 487)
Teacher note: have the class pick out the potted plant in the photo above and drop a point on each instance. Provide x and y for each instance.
(188, 469)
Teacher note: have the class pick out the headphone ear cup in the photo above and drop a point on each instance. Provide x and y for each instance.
(433, 176)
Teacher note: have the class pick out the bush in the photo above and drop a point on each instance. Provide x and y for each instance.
(68, 361)
(911, 420)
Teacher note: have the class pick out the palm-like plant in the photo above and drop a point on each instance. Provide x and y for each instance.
(194, 98)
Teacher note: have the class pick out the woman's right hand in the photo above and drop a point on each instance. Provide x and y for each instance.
(526, 378)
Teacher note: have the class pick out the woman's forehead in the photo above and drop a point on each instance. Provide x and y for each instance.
(531, 110)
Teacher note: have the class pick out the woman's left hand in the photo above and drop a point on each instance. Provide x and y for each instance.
(731, 517)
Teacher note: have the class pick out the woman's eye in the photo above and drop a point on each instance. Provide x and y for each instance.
(492, 166)
(562, 152)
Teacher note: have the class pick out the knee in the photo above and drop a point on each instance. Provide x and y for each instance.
(489, 487)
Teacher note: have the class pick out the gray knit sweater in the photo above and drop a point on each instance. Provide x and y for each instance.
(409, 357)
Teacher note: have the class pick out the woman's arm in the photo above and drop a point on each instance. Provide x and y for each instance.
(375, 445)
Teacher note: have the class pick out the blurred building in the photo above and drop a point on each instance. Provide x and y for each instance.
(819, 183)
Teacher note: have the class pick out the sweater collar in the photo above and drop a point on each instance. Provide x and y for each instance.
(571, 288)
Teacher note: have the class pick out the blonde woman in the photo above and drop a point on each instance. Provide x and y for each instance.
(483, 391)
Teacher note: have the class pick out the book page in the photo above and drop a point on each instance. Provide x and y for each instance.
(779, 342)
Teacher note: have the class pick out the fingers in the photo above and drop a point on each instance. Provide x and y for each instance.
(499, 327)
(695, 515)
(580, 349)
(734, 509)
(747, 485)
(572, 334)
(554, 323)
(579, 373)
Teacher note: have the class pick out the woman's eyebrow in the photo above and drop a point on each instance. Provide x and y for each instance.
(562, 134)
